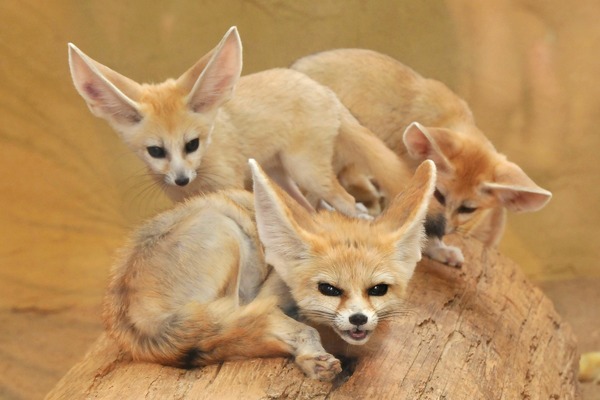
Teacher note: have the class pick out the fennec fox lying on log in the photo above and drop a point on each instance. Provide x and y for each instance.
(212, 279)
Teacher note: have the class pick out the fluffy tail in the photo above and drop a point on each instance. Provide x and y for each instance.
(203, 334)
(359, 149)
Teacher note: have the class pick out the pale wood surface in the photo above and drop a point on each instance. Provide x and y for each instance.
(70, 190)
(481, 332)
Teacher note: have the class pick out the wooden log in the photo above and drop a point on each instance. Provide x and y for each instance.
(480, 332)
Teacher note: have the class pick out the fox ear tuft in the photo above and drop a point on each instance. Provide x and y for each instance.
(284, 240)
(218, 79)
(422, 145)
(515, 190)
(104, 90)
(405, 217)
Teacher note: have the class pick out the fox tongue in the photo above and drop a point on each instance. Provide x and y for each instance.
(357, 335)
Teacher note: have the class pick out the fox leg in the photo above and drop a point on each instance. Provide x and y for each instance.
(435, 248)
(315, 175)
(287, 184)
(261, 329)
(361, 188)
(306, 347)
(439, 251)
(303, 341)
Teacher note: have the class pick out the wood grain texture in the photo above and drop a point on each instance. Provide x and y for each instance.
(481, 332)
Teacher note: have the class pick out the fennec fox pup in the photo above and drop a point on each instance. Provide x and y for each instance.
(196, 133)
(421, 119)
(210, 279)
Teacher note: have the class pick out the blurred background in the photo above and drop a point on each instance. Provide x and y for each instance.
(70, 190)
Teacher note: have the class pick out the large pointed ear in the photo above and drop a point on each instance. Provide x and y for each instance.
(284, 239)
(405, 216)
(217, 80)
(189, 78)
(515, 190)
(422, 145)
(106, 92)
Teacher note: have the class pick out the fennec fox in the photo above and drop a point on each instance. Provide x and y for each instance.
(194, 285)
(196, 133)
(421, 119)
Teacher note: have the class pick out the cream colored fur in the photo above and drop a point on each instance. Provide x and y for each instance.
(196, 133)
(421, 118)
(193, 286)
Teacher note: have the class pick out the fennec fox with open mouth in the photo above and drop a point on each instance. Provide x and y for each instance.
(212, 279)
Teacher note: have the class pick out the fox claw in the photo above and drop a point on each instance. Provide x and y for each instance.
(323, 367)
(363, 212)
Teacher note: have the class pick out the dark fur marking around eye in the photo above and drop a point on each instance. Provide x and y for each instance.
(435, 225)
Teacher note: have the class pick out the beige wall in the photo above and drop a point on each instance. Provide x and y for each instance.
(70, 190)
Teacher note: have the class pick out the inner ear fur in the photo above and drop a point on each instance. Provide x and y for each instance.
(219, 72)
(410, 207)
(516, 190)
(277, 216)
(108, 94)
(428, 144)
(405, 217)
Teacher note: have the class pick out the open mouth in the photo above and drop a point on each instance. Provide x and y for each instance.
(356, 335)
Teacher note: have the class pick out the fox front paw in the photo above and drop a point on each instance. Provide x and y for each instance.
(323, 367)
(363, 212)
(451, 256)
(441, 252)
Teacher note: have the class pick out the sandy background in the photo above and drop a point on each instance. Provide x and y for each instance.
(70, 190)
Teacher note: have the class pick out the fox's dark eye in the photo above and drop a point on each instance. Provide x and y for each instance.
(328, 290)
(378, 290)
(156, 151)
(466, 210)
(439, 197)
(192, 145)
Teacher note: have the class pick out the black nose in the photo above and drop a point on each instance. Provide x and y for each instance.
(182, 181)
(358, 319)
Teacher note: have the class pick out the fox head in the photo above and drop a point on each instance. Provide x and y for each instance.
(472, 176)
(344, 273)
(167, 125)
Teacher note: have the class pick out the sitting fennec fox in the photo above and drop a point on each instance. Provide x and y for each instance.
(475, 182)
(195, 134)
(193, 286)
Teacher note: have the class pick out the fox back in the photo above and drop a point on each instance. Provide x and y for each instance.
(194, 287)
(421, 118)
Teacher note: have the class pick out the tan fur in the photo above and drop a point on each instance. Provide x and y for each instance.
(193, 286)
(387, 97)
(295, 128)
